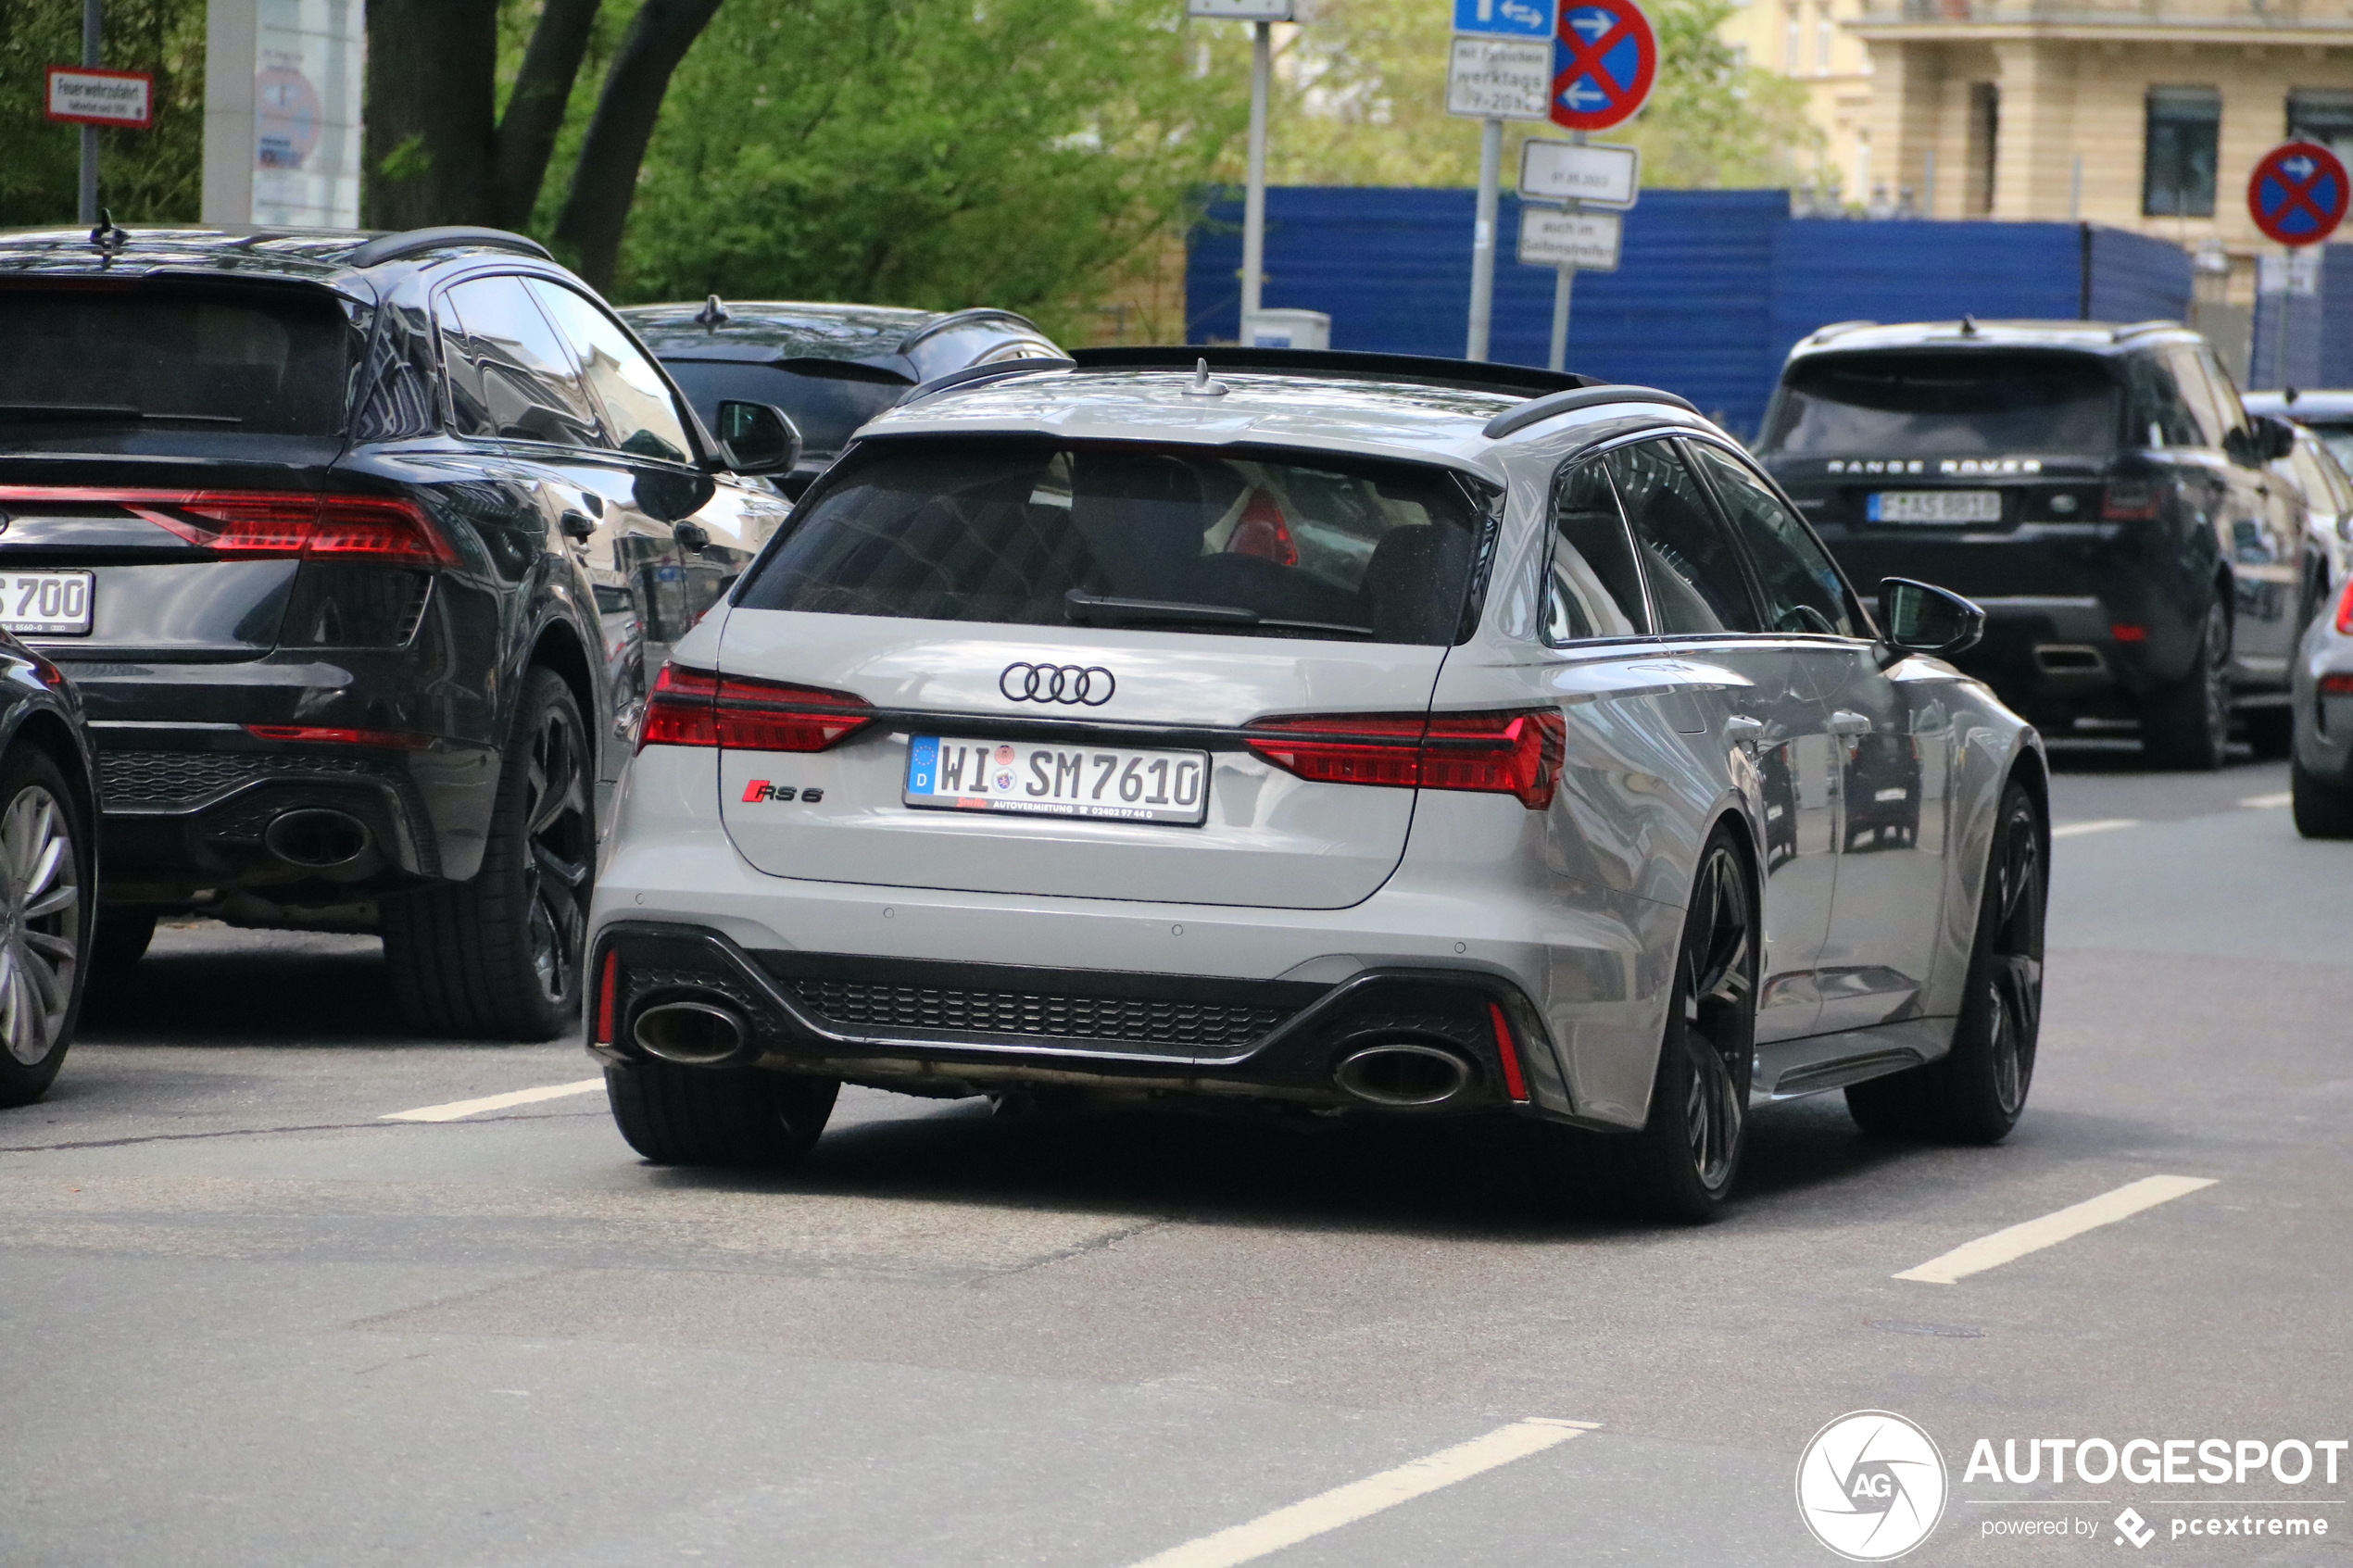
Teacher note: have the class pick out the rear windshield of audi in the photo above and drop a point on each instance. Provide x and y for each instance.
(1224, 541)
(162, 355)
(1943, 404)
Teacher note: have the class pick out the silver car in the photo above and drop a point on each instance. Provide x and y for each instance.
(1355, 733)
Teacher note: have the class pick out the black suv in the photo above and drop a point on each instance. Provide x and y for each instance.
(355, 548)
(830, 367)
(2098, 489)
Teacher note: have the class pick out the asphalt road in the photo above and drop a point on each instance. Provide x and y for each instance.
(247, 1320)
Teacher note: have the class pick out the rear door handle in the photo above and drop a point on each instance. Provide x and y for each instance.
(1845, 722)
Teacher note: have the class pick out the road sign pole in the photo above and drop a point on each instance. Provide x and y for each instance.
(87, 204)
(1557, 359)
(2282, 302)
(1482, 299)
(1262, 52)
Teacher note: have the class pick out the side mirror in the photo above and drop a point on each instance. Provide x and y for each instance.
(1916, 618)
(757, 438)
(2274, 438)
(692, 537)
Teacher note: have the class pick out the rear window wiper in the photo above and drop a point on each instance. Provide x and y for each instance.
(1092, 609)
(119, 413)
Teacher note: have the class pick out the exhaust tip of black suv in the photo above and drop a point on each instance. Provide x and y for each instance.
(316, 837)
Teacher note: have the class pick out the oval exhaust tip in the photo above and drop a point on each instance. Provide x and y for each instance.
(691, 1034)
(316, 837)
(1402, 1074)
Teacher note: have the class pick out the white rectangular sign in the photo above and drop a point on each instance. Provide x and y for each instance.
(1606, 176)
(1587, 241)
(90, 96)
(1499, 79)
(1240, 10)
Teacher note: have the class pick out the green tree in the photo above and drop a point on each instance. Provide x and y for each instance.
(930, 152)
(153, 176)
(1363, 103)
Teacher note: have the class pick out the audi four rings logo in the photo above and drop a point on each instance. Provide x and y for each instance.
(1056, 682)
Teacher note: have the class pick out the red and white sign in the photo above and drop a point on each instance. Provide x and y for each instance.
(87, 96)
(1604, 63)
(2298, 194)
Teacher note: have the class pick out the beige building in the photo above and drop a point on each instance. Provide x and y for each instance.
(1810, 41)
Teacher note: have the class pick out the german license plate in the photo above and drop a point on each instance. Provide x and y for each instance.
(1122, 783)
(45, 604)
(1935, 505)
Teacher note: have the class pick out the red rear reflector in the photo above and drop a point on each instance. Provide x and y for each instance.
(2125, 633)
(2128, 503)
(1516, 753)
(604, 997)
(1515, 1085)
(2337, 685)
(256, 523)
(397, 740)
(697, 708)
(2345, 611)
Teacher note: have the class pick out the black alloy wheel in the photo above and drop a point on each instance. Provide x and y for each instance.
(500, 957)
(1683, 1164)
(2188, 725)
(44, 923)
(1976, 1093)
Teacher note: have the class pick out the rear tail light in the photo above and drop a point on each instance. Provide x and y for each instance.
(256, 523)
(1516, 753)
(2133, 501)
(1507, 1053)
(697, 708)
(1261, 532)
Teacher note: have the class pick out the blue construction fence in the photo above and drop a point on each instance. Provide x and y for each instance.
(1712, 287)
(2303, 333)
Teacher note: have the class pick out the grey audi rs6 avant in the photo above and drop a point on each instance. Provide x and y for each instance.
(1357, 733)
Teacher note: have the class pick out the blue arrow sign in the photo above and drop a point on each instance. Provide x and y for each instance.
(1505, 18)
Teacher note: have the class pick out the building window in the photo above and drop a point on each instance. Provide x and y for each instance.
(1793, 41)
(1984, 147)
(1825, 31)
(2322, 115)
(2177, 178)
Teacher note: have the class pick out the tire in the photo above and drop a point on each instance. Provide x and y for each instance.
(2270, 731)
(1683, 1164)
(120, 938)
(46, 900)
(1975, 1094)
(2323, 808)
(499, 957)
(2188, 725)
(718, 1115)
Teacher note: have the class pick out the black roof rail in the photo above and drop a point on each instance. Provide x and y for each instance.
(955, 319)
(1521, 381)
(1589, 396)
(972, 375)
(416, 242)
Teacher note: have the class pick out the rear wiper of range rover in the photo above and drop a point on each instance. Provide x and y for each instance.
(115, 413)
(1093, 609)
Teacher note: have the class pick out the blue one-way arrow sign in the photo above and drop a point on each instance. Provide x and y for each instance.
(1504, 19)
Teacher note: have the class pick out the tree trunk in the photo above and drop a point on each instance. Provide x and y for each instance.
(535, 110)
(597, 207)
(431, 85)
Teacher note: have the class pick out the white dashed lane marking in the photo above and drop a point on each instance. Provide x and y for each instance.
(457, 1108)
(2266, 802)
(2105, 824)
(1360, 1499)
(1988, 1251)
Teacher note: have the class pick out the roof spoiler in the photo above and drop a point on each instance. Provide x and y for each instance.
(1590, 396)
(1516, 381)
(417, 242)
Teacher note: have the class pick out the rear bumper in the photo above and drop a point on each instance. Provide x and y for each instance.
(949, 1028)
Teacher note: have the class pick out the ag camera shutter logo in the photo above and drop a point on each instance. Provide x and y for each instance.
(1871, 1485)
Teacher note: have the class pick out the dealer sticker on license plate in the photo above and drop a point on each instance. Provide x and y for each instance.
(1031, 777)
(1935, 505)
(45, 604)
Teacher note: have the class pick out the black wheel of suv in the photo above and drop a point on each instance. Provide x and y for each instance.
(45, 915)
(499, 957)
(2188, 725)
(718, 1115)
(1975, 1093)
(2270, 731)
(2322, 810)
(1682, 1165)
(119, 939)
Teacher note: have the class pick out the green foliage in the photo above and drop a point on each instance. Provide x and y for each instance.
(929, 152)
(154, 176)
(1363, 103)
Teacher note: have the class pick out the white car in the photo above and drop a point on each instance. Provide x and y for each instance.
(1357, 733)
